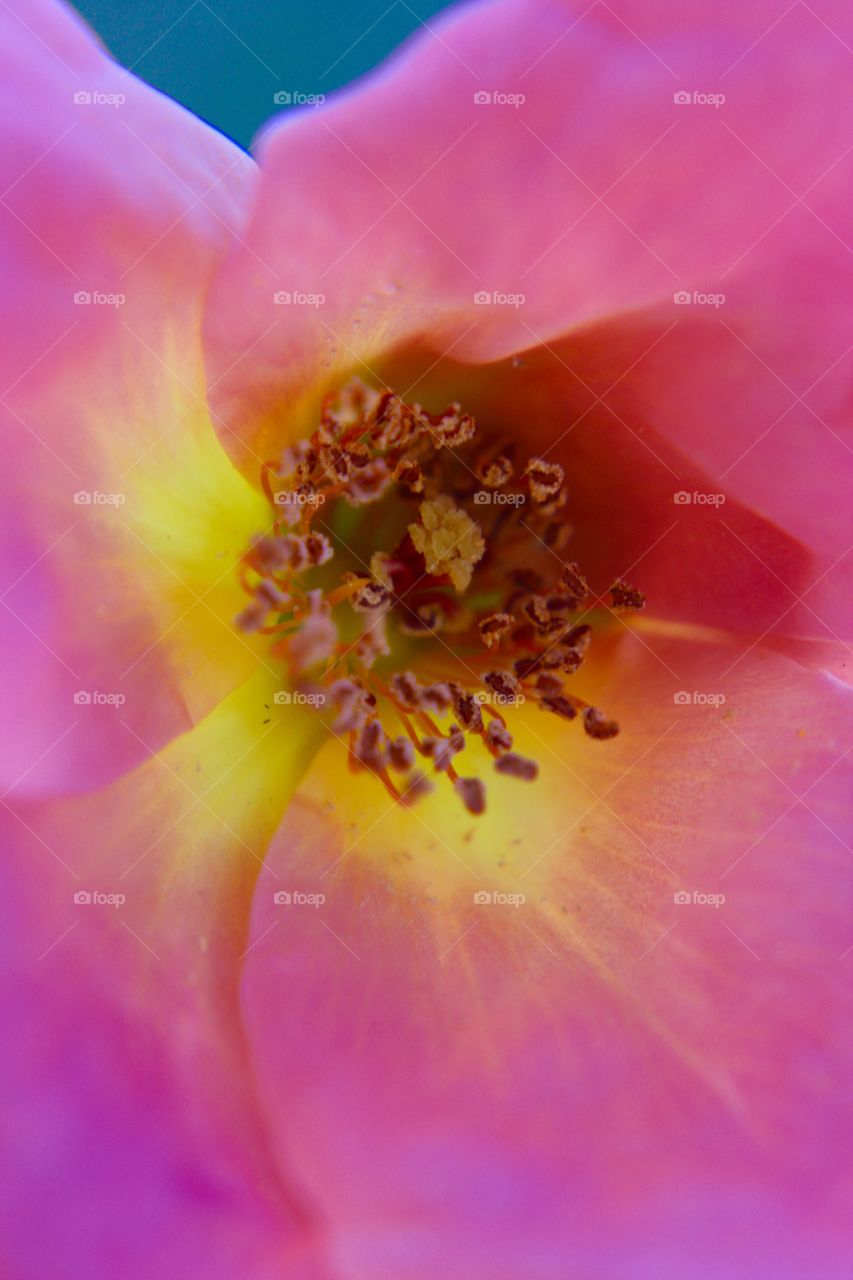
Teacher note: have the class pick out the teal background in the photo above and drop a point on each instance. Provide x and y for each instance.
(224, 59)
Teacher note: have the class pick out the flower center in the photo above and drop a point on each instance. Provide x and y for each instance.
(402, 539)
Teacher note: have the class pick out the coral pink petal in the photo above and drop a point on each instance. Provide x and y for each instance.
(603, 1081)
(646, 510)
(133, 1145)
(117, 207)
(383, 216)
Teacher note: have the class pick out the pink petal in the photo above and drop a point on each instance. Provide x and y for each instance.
(133, 1143)
(597, 196)
(646, 510)
(600, 1081)
(137, 199)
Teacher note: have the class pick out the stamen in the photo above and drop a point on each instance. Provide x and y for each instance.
(598, 725)
(461, 564)
(493, 627)
(515, 766)
(473, 794)
(624, 597)
(545, 479)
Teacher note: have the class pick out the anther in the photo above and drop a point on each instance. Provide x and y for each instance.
(624, 597)
(598, 725)
(515, 766)
(472, 792)
(544, 478)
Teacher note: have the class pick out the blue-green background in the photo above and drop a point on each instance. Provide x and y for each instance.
(224, 59)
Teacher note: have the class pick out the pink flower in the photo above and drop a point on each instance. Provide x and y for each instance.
(260, 1020)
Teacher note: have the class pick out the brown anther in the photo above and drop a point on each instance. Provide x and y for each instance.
(395, 423)
(306, 469)
(374, 642)
(351, 718)
(318, 548)
(316, 601)
(453, 428)
(359, 455)
(544, 478)
(424, 620)
(523, 667)
(292, 456)
(624, 597)
(409, 476)
(313, 642)
(516, 766)
(369, 746)
(560, 657)
(498, 737)
(373, 595)
(472, 793)
(296, 551)
(401, 754)
(494, 627)
(252, 618)
(342, 691)
(579, 638)
(535, 608)
(598, 725)
(368, 484)
(504, 684)
(574, 584)
(467, 709)
(494, 473)
(335, 461)
(549, 685)
(560, 705)
(416, 788)
(442, 750)
(406, 690)
(436, 697)
(269, 553)
(271, 594)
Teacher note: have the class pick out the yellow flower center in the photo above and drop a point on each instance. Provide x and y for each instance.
(400, 539)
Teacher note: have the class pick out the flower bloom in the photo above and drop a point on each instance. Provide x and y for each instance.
(345, 937)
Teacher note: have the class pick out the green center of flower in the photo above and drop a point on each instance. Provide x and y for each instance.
(413, 583)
